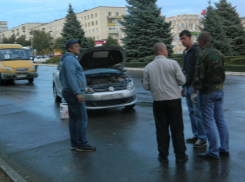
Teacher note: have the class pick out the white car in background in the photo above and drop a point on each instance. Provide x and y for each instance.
(107, 84)
(40, 59)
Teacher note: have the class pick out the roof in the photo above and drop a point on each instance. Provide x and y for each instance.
(5, 46)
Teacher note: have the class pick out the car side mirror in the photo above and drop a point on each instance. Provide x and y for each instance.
(125, 69)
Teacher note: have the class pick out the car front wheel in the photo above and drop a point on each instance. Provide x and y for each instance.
(30, 80)
(56, 97)
(130, 106)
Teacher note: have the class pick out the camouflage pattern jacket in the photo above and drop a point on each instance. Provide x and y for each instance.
(209, 73)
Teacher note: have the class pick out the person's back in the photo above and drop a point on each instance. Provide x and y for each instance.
(164, 78)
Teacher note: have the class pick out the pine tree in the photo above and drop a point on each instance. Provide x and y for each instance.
(72, 30)
(231, 23)
(212, 24)
(144, 27)
(111, 41)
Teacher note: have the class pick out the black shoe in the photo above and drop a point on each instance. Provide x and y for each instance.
(192, 139)
(182, 159)
(163, 159)
(200, 143)
(207, 156)
(224, 153)
(86, 148)
(73, 148)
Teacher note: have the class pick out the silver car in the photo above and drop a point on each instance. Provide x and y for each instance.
(107, 84)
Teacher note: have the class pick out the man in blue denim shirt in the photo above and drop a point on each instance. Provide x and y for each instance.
(209, 79)
(73, 81)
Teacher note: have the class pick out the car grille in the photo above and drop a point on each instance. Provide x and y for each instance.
(110, 102)
(21, 69)
(107, 89)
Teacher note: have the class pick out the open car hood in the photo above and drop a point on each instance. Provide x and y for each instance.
(103, 57)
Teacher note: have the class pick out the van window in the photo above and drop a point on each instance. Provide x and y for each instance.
(13, 54)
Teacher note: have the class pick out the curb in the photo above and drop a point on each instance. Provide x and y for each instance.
(10, 171)
(229, 73)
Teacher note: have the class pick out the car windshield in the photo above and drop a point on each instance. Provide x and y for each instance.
(13, 54)
(29, 53)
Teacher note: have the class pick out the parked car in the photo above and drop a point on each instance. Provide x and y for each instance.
(15, 64)
(41, 59)
(107, 84)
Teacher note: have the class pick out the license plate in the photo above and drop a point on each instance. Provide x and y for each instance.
(21, 76)
(112, 96)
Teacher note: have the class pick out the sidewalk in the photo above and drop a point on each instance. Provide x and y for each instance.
(229, 73)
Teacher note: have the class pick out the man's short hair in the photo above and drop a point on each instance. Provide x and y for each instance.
(185, 32)
(70, 43)
(157, 47)
(205, 37)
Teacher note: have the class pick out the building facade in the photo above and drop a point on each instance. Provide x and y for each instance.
(98, 23)
(190, 22)
(3, 27)
(243, 22)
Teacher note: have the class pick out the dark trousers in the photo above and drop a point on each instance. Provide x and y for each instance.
(169, 113)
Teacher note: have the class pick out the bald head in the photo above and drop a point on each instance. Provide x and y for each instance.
(159, 48)
(205, 37)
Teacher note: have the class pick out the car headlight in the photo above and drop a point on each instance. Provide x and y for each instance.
(8, 68)
(89, 90)
(33, 67)
(130, 85)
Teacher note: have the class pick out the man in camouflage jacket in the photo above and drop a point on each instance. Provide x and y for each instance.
(209, 79)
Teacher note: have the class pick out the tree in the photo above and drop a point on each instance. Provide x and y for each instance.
(91, 41)
(212, 24)
(57, 43)
(72, 30)
(10, 40)
(232, 25)
(111, 41)
(22, 41)
(144, 26)
(41, 40)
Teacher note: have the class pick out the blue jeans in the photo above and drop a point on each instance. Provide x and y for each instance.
(78, 120)
(195, 114)
(213, 115)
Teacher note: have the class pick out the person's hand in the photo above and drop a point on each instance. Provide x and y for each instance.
(183, 92)
(80, 98)
(194, 98)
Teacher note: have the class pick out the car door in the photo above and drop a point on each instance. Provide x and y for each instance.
(56, 79)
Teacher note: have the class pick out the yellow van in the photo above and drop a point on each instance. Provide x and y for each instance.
(15, 64)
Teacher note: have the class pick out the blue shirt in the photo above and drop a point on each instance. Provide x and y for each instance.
(71, 75)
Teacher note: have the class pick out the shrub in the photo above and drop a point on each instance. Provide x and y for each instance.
(235, 68)
(53, 60)
(229, 58)
(238, 61)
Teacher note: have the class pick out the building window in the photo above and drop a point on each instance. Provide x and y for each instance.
(93, 37)
(109, 13)
(88, 16)
(95, 14)
(85, 24)
(92, 15)
(92, 24)
(97, 37)
(111, 36)
(117, 14)
(97, 29)
(190, 26)
(89, 32)
(92, 30)
(96, 22)
(88, 24)
(84, 17)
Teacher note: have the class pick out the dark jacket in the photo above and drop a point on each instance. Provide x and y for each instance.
(189, 63)
(210, 70)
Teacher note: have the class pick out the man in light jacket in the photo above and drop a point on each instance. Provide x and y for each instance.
(163, 77)
(73, 82)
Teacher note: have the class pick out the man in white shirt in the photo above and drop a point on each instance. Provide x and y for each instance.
(163, 77)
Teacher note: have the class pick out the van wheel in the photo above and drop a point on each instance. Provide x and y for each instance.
(30, 80)
(56, 97)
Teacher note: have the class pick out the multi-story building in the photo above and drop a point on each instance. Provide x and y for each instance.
(98, 23)
(243, 22)
(23, 29)
(3, 27)
(182, 22)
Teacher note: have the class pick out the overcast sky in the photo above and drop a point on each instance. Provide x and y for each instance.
(17, 12)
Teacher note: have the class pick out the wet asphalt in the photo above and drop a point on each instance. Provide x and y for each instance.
(35, 141)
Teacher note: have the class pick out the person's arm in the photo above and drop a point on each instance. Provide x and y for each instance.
(179, 75)
(146, 83)
(70, 67)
